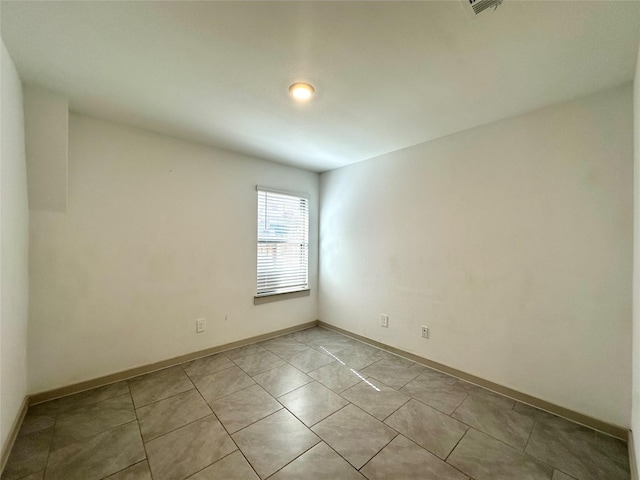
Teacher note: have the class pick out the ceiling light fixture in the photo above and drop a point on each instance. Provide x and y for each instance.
(301, 91)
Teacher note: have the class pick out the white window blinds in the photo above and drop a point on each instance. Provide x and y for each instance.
(283, 241)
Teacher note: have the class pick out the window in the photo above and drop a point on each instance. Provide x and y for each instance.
(283, 242)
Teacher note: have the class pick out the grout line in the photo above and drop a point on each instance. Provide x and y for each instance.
(255, 374)
(210, 373)
(144, 445)
(327, 416)
(457, 443)
(161, 400)
(53, 432)
(237, 447)
(384, 446)
(338, 453)
(122, 470)
(232, 393)
(61, 410)
(385, 418)
(173, 430)
(177, 428)
(535, 422)
(72, 411)
(327, 443)
(459, 405)
(313, 380)
(297, 457)
(219, 460)
(256, 421)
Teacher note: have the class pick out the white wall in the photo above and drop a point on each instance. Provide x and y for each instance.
(46, 126)
(157, 233)
(511, 241)
(635, 416)
(14, 245)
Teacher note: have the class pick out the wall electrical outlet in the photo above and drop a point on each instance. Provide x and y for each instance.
(425, 332)
(201, 325)
(384, 320)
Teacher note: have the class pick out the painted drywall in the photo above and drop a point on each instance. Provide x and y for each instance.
(635, 414)
(14, 247)
(158, 233)
(46, 119)
(511, 241)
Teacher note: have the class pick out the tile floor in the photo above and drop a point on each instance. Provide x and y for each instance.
(309, 405)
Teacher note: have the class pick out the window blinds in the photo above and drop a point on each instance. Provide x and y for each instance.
(283, 241)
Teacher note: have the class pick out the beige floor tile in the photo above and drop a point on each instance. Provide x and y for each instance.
(281, 380)
(546, 417)
(397, 361)
(231, 467)
(88, 421)
(244, 351)
(139, 471)
(245, 407)
(429, 374)
(219, 384)
(33, 476)
(189, 449)
(99, 456)
(34, 422)
(354, 434)
(332, 345)
(88, 397)
(360, 356)
(284, 346)
(404, 459)
(337, 377)
(391, 373)
(312, 403)
(259, 362)
(319, 463)
(174, 412)
(496, 420)
(558, 475)
(485, 458)
(485, 394)
(376, 398)
(436, 394)
(159, 385)
(314, 334)
(29, 454)
(309, 360)
(576, 451)
(51, 407)
(427, 427)
(207, 365)
(274, 441)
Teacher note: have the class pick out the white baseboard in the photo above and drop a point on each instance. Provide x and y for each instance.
(633, 466)
(13, 434)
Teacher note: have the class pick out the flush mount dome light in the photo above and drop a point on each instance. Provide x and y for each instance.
(301, 91)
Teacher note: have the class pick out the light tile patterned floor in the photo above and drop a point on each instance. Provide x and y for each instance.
(309, 405)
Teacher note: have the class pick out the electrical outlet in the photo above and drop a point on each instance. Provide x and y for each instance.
(201, 325)
(425, 332)
(384, 320)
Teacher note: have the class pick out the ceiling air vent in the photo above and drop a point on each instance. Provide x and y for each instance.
(479, 6)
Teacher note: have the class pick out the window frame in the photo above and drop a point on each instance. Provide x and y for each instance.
(270, 295)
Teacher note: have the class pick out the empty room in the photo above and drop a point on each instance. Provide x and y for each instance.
(383, 240)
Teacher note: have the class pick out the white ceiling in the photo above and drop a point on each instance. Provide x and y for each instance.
(388, 75)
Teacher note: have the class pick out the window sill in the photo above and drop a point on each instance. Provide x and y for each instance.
(276, 297)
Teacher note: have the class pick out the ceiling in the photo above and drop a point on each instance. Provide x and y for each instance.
(388, 75)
